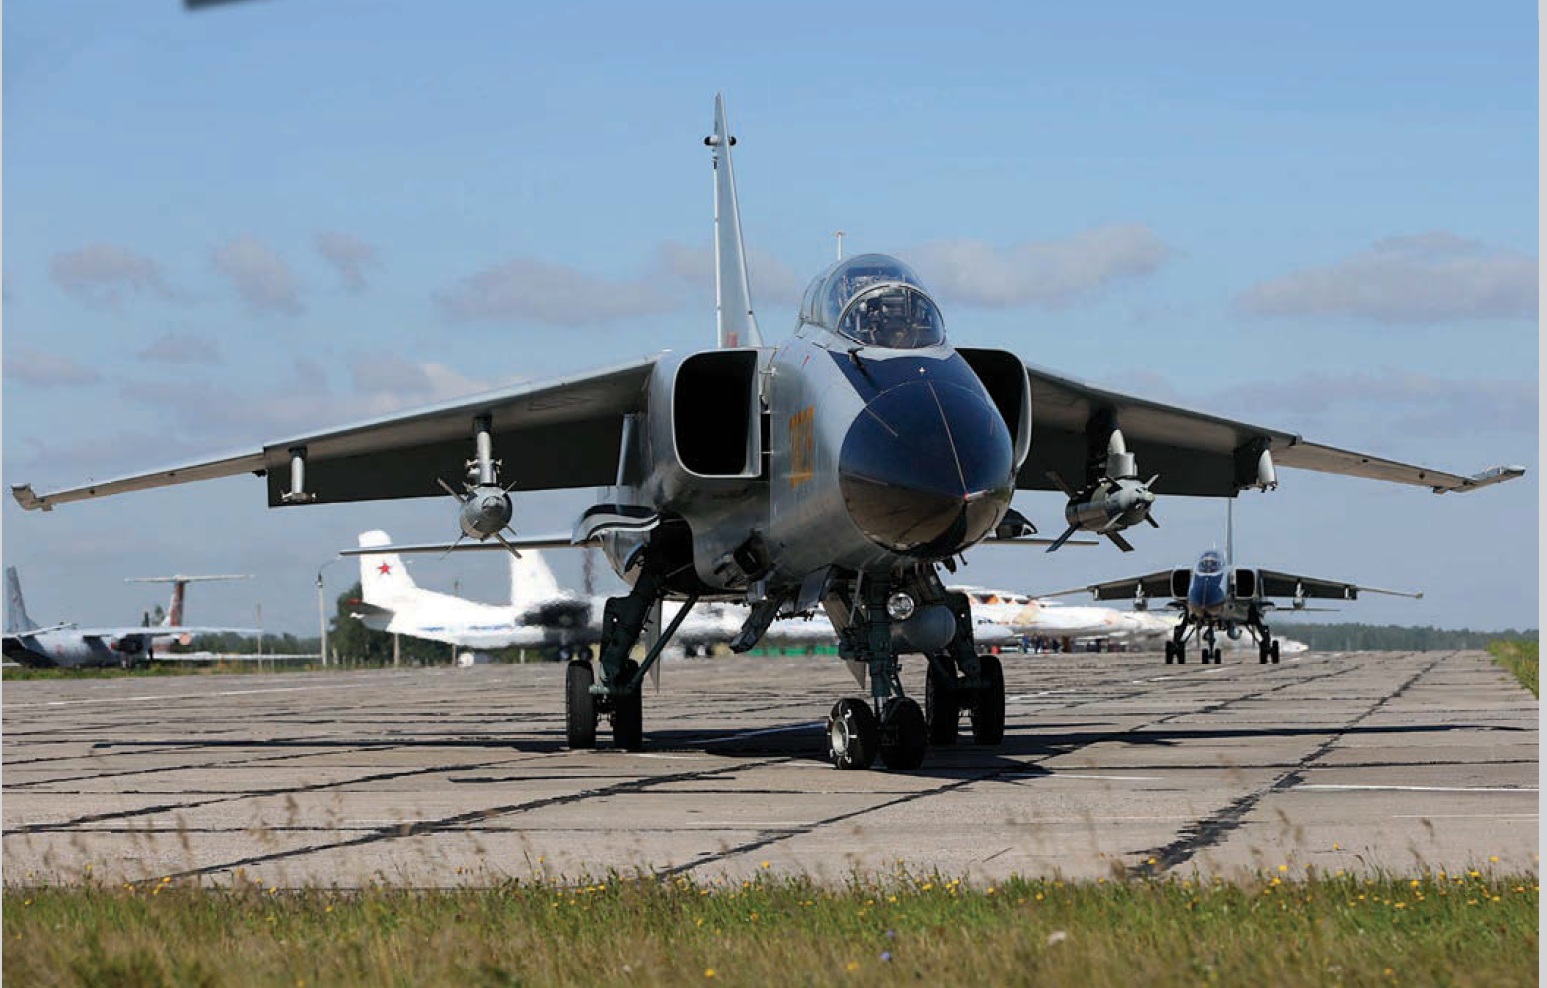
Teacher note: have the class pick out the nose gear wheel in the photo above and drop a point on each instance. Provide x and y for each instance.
(853, 736)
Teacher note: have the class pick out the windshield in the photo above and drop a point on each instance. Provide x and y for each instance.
(897, 316)
(1210, 563)
(874, 300)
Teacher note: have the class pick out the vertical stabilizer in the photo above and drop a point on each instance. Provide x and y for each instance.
(383, 577)
(174, 615)
(732, 296)
(532, 583)
(1229, 531)
(16, 618)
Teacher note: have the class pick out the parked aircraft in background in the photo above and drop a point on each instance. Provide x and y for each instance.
(1217, 595)
(69, 646)
(540, 614)
(1030, 617)
(842, 469)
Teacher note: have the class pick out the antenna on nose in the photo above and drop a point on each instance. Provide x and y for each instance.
(840, 235)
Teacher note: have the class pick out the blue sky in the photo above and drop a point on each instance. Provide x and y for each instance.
(223, 228)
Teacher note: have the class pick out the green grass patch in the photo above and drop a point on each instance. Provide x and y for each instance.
(1472, 929)
(157, 669)
(1522, 659)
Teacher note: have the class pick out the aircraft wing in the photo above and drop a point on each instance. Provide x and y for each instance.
(1194, 453)
(560, 433)
(160, 631)
(550, 540)
(1271, 583)
(1153, 585)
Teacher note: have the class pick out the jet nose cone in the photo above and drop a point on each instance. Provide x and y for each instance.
(926, 469)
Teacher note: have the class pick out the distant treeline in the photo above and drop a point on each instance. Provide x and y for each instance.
(1394, 637)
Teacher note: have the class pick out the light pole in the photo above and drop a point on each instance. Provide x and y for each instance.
(322, 610)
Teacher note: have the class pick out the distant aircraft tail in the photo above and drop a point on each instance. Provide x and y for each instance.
(531, 581)
(732, 296)
(383, 577)
(174, 615)
(16, 618)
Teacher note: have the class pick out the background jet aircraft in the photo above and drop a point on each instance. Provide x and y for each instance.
(1032, 617)
(1215, 594)
(841, 469)
(68, 646)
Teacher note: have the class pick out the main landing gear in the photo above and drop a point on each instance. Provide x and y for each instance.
(618, 695)
(1176, 646)
(891, 724)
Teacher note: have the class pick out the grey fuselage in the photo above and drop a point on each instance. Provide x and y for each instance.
(848, 454)
(70, 649)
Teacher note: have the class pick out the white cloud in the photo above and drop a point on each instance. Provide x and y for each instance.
(1052, 273)
(774, 283)
(1424, 278)
(529, 290)
(260, 276)
(39, 369)
(181, 348)
(106, 274)
(349, 255)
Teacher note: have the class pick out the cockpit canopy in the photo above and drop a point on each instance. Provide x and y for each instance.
(1210, 563)
(874, 300)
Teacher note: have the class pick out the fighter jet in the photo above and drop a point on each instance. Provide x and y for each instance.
(68, 646)
(1217, 595)
(841, 469)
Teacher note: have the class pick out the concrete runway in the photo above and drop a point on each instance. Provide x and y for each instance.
(460, 776)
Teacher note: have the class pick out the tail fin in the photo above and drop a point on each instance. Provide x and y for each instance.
(1229, 531)
(174, 615)
(382, 575)
(732, 296)
(531, 581)
(16, 618)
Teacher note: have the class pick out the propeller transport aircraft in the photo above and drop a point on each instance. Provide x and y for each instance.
(840, 469)
(540, 615)
(1215, 594)
(68, 646)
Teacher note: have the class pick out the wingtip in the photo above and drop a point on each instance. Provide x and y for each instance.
(28, 499)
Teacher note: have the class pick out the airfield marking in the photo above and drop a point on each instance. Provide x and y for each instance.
(1533, 790)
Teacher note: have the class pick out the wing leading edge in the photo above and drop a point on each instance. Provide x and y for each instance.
(555, 434)
(1194, 453)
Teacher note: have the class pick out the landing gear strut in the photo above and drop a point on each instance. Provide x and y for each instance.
(618, 694)
(892, 725)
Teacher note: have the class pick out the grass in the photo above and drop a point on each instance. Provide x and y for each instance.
(156, 669)
(1433, 929)
(1522, 659)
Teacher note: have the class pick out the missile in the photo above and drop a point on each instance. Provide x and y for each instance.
(1113, 503)
(485, 511)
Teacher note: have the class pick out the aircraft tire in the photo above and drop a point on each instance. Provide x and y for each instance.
(904, 734)
(1273, 651)
(1170, 652)
(628, 714)
(852, 735)
(942, 708)
(579, 706)
(988, 702)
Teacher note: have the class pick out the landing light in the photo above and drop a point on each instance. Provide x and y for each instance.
(899, 606)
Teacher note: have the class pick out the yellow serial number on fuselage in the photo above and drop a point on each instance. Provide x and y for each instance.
(802, 445)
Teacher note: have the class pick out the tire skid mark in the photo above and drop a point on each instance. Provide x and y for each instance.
(1210, 830)
(66, 825)
(460, 820)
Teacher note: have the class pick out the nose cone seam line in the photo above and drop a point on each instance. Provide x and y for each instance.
(945, 422)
